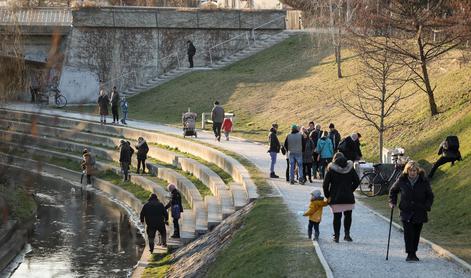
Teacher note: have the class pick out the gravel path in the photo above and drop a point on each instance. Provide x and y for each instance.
(364, 257)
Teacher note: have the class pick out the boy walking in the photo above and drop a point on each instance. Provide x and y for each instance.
(315, 213)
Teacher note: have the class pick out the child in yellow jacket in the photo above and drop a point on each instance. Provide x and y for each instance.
(315, 213)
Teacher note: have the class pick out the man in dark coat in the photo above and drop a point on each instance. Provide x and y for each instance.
(274, 149)
(350, 147)
(142, 150)
(125, 158)
(115, 105)
(175, 204)
(334, 135)
(416, 200)
(217, 116)
(315, 135)
(448, 154)
(155, 216)
(191, 52)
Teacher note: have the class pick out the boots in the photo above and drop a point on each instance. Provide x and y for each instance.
(273, 175)
(347, 237)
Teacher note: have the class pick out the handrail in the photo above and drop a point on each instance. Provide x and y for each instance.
(38, 16)
(174, 54)
(252, 31)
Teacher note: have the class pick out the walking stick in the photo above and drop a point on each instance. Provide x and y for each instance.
(389, 236)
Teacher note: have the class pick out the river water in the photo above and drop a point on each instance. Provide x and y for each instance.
(79, 234)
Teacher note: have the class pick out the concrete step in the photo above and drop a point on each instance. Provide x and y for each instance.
(187, 227)
(239, 194)
(214, 211)
(227, 203)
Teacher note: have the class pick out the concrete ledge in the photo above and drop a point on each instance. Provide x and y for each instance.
(239, 194)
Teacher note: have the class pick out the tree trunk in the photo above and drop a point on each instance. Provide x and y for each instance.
(338, 56)
(381, 144)
(426, 79)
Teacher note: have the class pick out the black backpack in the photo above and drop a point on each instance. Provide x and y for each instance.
(452, 143)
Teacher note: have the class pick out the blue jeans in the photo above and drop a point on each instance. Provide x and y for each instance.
(125, 117)
(273, 161)
(298, 158)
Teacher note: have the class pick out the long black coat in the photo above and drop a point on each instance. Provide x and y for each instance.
(154, 213)
(103, 102)
(415, 200)
(125, 153)
(142, 151)
(274, 142)
(340, 182)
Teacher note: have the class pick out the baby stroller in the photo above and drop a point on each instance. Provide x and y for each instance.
(189, 123)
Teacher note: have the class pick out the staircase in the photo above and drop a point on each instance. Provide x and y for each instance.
(240, 55)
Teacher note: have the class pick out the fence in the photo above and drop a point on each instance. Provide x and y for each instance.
(36, 16)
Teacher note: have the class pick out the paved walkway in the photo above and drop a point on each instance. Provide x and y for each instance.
(364, 257)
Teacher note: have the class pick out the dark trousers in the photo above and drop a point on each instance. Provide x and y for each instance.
(347, 222)
(307, 170)
(114, 111)
(190, 60)
(322, 164)
(442, 160)
(287, 169)
(316, 229)
(125, 170)
(89, 179)
(217, 130)
(411, 235)
(151, 235)
(143, 162)
(176, 227)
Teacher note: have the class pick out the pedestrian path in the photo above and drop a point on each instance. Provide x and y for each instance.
(364, 257)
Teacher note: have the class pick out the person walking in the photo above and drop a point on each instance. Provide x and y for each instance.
(350, 147)
(334, 135)
(340, 182)
(217, 116)
(87, 165)
(191, 51)
(176, 208)
(103, 102)
(274, 149)
(314, 213)
(315, 135)
(416, 200)
(449, 151)
(124, 109)
(142, 150)
(326, 152)
(227, 127)
(307, 156)
(125, 158)
(295, 145)
(155, 216)
(115, 105)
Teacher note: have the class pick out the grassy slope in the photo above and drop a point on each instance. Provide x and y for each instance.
(295, 82)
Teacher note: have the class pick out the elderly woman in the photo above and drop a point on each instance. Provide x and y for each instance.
(416, 200)
(340, 182)
(103, 101)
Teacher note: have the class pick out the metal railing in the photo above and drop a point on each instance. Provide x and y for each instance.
(133, 77)
(249, 37)
(36, 16)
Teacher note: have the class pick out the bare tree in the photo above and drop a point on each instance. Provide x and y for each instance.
(379, 96)
(421, 32)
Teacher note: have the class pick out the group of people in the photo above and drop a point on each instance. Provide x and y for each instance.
(220, 122)
(309, 150)
(125, 156)
(116, 102)
(154, 214)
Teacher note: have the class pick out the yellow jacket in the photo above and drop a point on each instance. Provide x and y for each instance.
(315, 210)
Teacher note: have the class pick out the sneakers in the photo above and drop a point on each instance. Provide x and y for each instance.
(291, 181)
(273, 175)
(335, 239)
(302, 181)
(316, 236)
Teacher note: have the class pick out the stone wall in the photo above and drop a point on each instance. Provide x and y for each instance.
(128, 46)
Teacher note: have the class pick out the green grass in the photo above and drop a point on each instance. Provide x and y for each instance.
(158, 266)
(267, 245)
(132, 188)
(21, 205)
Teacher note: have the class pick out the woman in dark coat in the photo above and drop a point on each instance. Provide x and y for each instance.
(416, 201)
(175, 204)
(103, 102)
(307, 157)
(340, 182)
(142, 150)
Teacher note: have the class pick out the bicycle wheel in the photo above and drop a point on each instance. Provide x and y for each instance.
(370, 184)
(61, 101)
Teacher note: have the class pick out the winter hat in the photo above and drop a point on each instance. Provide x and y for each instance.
(294, 126)
(171, 187)
(331, 125)
(316, 194)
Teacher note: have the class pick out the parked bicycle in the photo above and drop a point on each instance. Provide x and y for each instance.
(42, 97)
(376, 182)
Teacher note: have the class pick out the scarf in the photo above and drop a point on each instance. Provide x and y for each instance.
(413, 180)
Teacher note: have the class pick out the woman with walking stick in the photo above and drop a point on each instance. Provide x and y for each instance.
(416, 201)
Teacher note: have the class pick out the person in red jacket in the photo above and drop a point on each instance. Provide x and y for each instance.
(227, 127)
